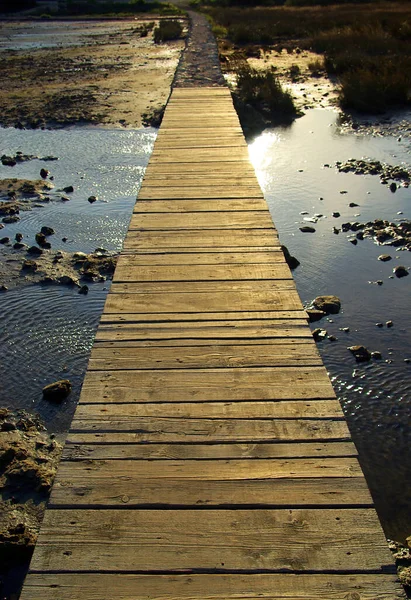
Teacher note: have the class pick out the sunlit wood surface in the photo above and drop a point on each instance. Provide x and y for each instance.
(208, 457)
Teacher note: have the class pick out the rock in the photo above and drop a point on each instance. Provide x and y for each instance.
(67, 280)
(64, 199)
(336, 215)
(11, 219)
(384, 257)
(314, 314)
(307, 229)
(9, 208)
(28, 188)
(8, 161)
(29, 265)
(379, 282)
(389, 324)
(47, 230)
(346, 227)
(328, 304)
(380, 325)
(400, 271)
(92, 199)
(83, 290)
(69, 189)
(336, 231)
(80, 257)
(353, 241)
(345, 329)
(18, 237)
(44, 173)
(35, 251)
(57, 391)
(291, 261)
(361, 353)
(4, 240)
(353, 204)
(19, 246)
(319, 334)
(332, 338)
(3, 288)
(393, 187)
(376, 354)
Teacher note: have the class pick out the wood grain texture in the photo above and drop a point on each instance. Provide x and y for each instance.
(202, 220)
(198, 205)
(284, 586)
(131, 540)
(98, 451)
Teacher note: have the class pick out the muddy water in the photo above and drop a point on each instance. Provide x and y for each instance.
(376, 396)
(47, 332)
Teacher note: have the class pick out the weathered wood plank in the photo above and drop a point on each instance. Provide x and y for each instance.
(202, 220)
(186, 302)
(198, 191)
(284, 317)
(211, 587)
(75, 488)
(181, 206)
(209, 452)
(272, 256)
(207, 385)
(210, 238)
(295, 409)
(198, 287)
(130, 540)
(156, 273)
(131, 357)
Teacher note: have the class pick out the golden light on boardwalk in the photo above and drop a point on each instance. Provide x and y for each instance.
(208, 457)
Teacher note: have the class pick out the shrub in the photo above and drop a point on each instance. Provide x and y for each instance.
(168, 30)
(263, 91)
(375, 90)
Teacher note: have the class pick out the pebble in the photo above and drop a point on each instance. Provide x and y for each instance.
(400, 271)
(384, 257)
(307, 229)
(376, 354)
(361, 353)
(389, 324)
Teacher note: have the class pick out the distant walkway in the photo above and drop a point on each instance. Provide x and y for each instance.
(199, 65)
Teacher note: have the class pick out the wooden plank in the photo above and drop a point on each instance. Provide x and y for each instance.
(202, 220)
(198, 191)
(294, 409)
(130, 540)
(202, 179)
(186, 302)
(198, 287)
(213, 356)
(282, 586)
(181, 206)
(211, 238)
(157, 273)
(186, 167)
(209, 452)
(287, 318)
(207, 385)
(89, 488)
(271, 256)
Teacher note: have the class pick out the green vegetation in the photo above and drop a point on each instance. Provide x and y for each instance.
(168, 30)
(262, 91)
(366, 46)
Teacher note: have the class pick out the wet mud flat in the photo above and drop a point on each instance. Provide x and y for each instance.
(62, 73)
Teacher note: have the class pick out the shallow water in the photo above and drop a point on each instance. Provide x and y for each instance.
(376, 396)
(47, 332)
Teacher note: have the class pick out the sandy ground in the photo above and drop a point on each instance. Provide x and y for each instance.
(65, 72)
(307, 89)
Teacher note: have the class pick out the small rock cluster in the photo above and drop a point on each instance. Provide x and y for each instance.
(375, 167)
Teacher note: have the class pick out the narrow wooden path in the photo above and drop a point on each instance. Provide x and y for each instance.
(208, 457)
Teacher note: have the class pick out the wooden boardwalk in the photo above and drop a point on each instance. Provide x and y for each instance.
(208, 457)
